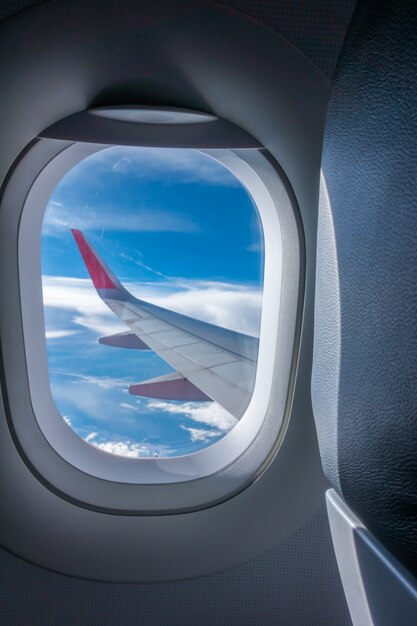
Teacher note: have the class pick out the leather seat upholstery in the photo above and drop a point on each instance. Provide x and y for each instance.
(365, 358)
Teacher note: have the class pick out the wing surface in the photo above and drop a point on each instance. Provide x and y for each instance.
(211, 362)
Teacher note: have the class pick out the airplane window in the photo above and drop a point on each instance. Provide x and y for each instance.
(152, 273)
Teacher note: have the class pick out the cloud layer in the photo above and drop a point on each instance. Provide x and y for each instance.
(121, 448)
(73, 308)
(59, 218)
(232, 306)
(208, 413)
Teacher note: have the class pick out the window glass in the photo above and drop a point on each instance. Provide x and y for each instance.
(183, 236)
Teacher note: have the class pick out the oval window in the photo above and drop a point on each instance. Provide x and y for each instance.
(152, 273)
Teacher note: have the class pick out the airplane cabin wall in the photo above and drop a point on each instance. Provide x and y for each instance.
(296, 583)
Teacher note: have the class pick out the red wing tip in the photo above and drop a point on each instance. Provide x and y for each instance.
(100, 275)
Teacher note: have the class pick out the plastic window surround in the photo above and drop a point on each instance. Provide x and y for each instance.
(73, 449)
(231, 463)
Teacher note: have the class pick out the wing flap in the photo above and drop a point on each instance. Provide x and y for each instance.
(170, 387)
(124, 340)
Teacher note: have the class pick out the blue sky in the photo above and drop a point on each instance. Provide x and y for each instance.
(178, 230)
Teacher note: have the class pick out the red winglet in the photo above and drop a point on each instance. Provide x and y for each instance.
(100, 275)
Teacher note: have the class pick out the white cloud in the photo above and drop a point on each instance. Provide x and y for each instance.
(127, 406)
(225, 305)
(93, 396)
(137, 450)
(67, 420)
(78, 296)
(121, 448)
(82, 399)
(233, 306)
(145, 219)
(59, 334)
(209, 413)
(201, 434)
(104, 382)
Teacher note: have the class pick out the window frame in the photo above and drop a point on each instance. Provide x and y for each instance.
(94, 478)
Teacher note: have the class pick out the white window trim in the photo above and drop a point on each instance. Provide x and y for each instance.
(237, 459)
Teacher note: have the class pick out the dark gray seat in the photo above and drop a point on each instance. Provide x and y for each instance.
(365, 360)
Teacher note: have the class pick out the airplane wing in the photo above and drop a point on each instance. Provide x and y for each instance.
(210, 362)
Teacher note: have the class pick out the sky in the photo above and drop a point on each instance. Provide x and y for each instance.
(177, 229)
